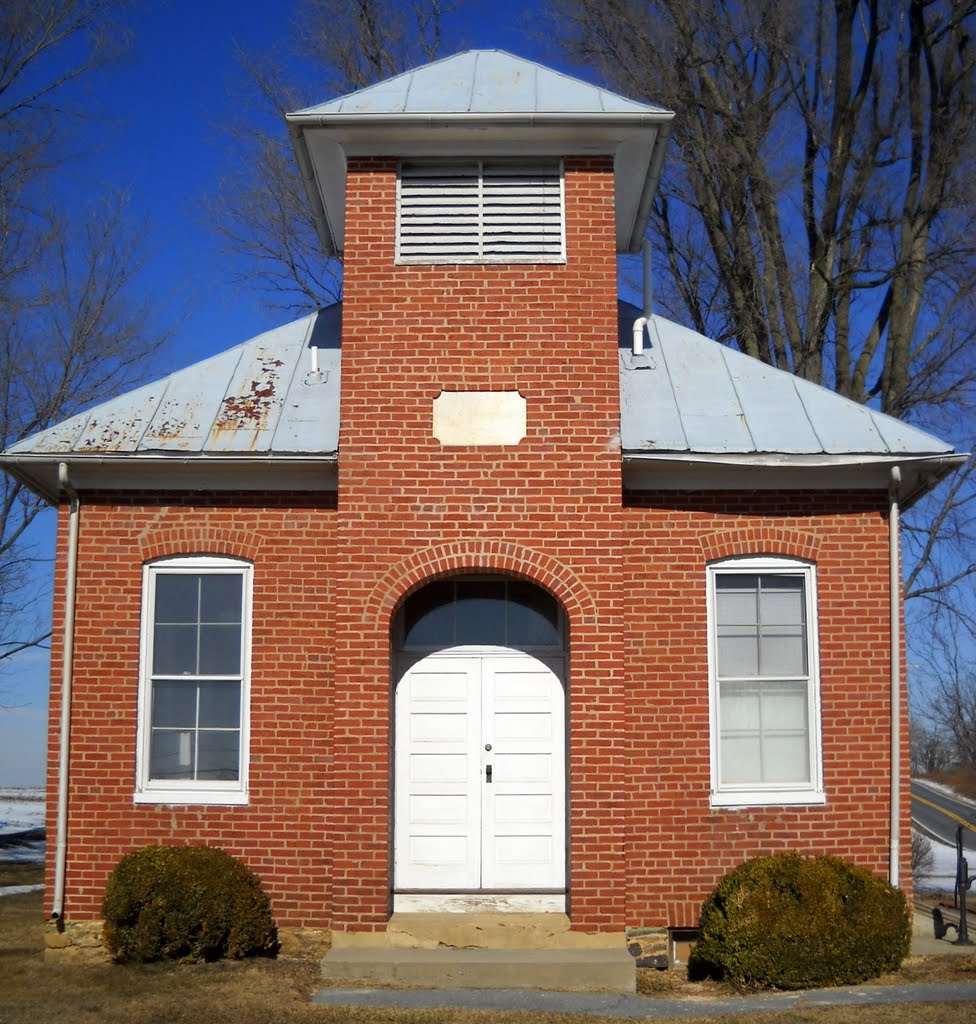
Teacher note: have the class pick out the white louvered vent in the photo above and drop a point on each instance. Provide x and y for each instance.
(481, 211)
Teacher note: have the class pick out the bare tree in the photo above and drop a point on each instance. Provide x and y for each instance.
(816, 209)
(262, 210)
(70, 332)
(951, 714)
(931, 747)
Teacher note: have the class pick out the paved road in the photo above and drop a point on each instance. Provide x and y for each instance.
(939, 815)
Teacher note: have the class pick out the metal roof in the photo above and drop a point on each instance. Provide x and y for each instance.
(257, 401)
(482, 82)
(689, 394)
(481, 103)
(685, 400)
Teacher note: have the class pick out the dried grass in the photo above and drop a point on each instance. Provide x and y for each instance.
(279, 991)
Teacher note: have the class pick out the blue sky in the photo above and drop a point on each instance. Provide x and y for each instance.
(156, 133)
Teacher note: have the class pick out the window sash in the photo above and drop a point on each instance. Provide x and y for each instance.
(765, 687)
(193, 705)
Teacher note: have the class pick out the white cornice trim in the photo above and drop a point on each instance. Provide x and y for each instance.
(127, 471)
(679, 471)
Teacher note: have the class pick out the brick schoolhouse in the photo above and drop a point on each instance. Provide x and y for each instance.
(481, 590)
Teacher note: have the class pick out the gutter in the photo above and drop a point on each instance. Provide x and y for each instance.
(67, 676)
(920, 472)
(638, 119)
(28, 468)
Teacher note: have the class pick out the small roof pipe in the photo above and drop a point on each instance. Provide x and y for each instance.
(67, 673)
(648, 299)
(894, 585)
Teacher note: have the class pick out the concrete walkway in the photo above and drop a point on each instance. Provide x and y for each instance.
(626, 1006)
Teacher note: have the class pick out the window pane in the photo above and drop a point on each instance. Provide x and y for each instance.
(480, 615)
(738, 652)
(220, 650)
(174, 705)
(219, 756)
(739, 707)
(429, 617)
(220, 706)
(175, 651)
(781, 601)
(171, 754)
(533, 617)
(220, 598)
(785, 758)
(783, 655)
(740, 760)
(177, 597)
(784, 706)
(735, 599)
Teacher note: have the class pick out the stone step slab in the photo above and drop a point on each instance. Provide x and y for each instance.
(566, 970)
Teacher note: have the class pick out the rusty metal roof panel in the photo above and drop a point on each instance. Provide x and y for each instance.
(309, 418)
(186, 411)
(690, 395)
(254, 398)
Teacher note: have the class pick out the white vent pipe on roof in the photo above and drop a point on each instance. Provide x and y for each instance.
(894, 585)
(67, 675)
(641, 322)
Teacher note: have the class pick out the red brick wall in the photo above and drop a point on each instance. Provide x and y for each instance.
(550, 504)
(290, 539)
(678, 846)
(644, 847)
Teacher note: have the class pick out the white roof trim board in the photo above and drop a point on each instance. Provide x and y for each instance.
(694, 415)
(482, 103)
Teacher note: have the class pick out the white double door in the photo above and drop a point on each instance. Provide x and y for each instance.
(480, 798)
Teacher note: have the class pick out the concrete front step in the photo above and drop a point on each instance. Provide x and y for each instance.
(480, 931)
(567, 970)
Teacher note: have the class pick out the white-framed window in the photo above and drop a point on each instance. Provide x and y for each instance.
(192, 740)
(481, 211)
(764, 682)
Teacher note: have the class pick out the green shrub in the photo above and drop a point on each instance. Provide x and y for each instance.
(185, 902)
(791, 922)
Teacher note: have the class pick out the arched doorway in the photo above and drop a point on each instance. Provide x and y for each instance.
(480, 740)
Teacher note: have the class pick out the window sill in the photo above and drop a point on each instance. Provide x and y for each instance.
(768, 798)
(216, 797)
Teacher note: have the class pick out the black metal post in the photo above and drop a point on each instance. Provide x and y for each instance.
(964, 881)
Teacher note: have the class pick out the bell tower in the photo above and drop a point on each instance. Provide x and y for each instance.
(479, 205)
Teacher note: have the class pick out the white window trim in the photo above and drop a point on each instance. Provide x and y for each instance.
(767, 795)
(433, 260)
(190, 792)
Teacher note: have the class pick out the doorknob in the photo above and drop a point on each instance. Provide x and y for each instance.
(487, 773)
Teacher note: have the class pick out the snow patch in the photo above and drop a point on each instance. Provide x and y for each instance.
(941, 873)
(18, 890)
(21, 810)
(21, 825)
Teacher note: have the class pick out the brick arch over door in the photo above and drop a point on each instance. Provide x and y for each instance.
(479, 556)
(760, 540)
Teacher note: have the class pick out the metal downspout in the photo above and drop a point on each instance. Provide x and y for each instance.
(67, 666)
(894, 584)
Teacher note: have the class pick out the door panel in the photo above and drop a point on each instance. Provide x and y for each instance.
(523, 837)
(454, 828)
(437, 764)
